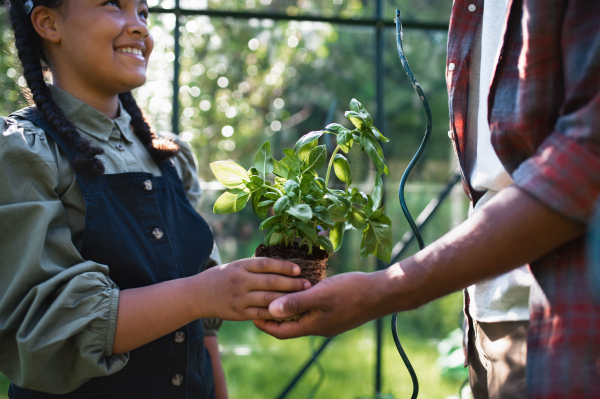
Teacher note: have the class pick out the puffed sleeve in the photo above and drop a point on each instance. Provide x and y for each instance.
(57, 311)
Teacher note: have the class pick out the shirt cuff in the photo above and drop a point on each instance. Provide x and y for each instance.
(111, 321)
(564, 175)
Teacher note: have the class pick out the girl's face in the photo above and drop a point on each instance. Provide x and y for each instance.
(105, 44)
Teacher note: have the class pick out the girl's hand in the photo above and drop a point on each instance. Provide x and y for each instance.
(243, 290)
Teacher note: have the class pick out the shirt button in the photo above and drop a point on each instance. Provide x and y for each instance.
(120, 147)
(157, 233)
(472, 7)
(148, 185)
(450, 133)
(451, 66)
(179, 337)
(177, 380)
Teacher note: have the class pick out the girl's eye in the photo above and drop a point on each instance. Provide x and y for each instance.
(112, 3)
(144, 14)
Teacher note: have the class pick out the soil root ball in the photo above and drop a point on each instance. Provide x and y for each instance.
(313, 267)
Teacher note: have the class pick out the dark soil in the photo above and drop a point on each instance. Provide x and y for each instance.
(280, 251)
(313, 267)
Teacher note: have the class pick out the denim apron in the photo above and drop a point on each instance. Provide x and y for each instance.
(144, 228)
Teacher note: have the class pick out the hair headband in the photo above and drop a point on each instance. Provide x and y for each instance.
(28, 6)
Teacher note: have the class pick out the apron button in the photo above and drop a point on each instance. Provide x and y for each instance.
(157, 233)
(120, 147)
(148, 185)
(179, 337)
(177, 380)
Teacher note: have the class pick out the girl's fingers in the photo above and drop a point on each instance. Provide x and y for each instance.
(270, 265)
(262, 298)
(258, 313)
(276, 282)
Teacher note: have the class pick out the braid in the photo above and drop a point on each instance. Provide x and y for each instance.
(30, 53)
(159, 148)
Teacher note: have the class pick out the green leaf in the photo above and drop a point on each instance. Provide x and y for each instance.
(291, 187)
(276, 238)
(280, 169)
(267, 224)
(281, 204)
(356, 106)
(230, 174)
(301, 212)
(375, 152)
(316, 158)
(231, 201)
(336, 235)
(326, 244)
(357, 219)
(307, 138)
(292, 161)
(383, 240)
(306, 182)
(368, 244)
(377, 192)
(357, 119)
(273, 196)
(342, 168)
(335, 128)
(263, 162)
(308, 231)
(305, 150)
(261, 211)
(378, 134)
(323, 214)
(252, 171)
(377, 214)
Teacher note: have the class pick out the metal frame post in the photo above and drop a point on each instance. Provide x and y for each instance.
(176, 67)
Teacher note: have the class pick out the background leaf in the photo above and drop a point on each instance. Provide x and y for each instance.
(323, 214)
(305, 150)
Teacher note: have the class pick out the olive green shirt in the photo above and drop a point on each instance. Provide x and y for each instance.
(58, 311)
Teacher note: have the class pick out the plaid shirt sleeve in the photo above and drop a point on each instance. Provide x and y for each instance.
(544, 109)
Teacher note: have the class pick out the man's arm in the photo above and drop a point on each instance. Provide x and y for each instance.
(512, 229)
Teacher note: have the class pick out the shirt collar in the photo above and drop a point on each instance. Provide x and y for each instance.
(89, 120)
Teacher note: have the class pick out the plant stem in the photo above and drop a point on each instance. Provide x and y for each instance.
(273, 188)
(330, 165)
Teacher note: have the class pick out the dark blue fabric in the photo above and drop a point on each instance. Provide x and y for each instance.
(120, 217)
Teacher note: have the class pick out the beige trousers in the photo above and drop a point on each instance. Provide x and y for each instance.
(497, 358)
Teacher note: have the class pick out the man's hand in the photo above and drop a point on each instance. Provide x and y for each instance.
(336, 304)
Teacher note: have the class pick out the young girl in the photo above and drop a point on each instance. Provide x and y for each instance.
(101, 293)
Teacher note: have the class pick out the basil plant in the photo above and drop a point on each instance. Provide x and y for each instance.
(302, 201)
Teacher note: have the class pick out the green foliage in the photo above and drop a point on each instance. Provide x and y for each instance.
(302, 202)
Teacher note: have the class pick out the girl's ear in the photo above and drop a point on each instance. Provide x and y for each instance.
(44, 22)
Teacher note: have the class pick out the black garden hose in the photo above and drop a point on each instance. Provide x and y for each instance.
(407, 214)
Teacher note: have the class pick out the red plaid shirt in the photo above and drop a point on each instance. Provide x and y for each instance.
(544, 115)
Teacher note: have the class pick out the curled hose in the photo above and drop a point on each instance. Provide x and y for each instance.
(407, 214)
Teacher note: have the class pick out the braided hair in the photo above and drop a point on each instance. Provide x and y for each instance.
(31, 55)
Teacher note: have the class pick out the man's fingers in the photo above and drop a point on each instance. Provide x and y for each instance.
(270, 265)
(293, 304)
(287, 329)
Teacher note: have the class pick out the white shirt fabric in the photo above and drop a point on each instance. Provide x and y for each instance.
(504, 298)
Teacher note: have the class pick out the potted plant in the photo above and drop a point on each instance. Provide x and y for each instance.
(303, 205)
